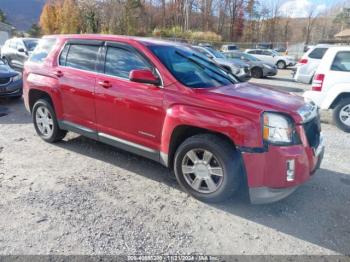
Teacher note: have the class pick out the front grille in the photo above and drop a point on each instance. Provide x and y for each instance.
(313, 131)
(5, 80)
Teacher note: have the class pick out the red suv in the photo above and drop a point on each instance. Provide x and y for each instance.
(166, 102)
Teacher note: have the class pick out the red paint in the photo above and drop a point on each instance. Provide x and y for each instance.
(147, 115)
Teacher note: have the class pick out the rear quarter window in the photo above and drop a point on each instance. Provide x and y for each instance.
(42, 50)
(341, 62)
(318, 53)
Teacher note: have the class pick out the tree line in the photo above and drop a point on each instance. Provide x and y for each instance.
(213, 20)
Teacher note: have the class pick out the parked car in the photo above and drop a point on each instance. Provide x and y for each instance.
(331, 85)
(271, 56)
(10, 81)
(305, 69)
(239, 69)
(228, 48)
(165, 101)
(17, 50)
(205, 45)
(258, 68)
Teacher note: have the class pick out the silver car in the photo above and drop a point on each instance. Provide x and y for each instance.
(238, 68)
(258, 68)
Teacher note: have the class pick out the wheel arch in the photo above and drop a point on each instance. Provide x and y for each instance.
(182, 132)
(36, 94)
(339, 98)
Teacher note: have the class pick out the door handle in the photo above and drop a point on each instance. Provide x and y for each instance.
(58, 73)
(105, 84)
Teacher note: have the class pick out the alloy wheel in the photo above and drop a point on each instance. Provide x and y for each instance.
(202, 170)
(44, 121)
(344, 115)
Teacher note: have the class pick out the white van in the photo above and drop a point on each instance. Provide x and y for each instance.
(331, 85)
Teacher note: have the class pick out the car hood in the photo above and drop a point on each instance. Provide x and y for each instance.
(263, 97)
(6, 71)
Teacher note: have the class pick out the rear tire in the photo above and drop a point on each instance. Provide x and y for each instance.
(257, 72)
(45, 122)
(281, 64)
(341, 115)
(208, 168)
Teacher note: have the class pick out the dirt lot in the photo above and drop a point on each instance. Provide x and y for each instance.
(83, 197)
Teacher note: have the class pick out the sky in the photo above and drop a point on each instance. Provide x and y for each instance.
(300, 8)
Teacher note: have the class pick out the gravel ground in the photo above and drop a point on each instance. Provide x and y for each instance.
(83, 197)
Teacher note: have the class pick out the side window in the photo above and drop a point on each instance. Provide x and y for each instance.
(82, 57)
(268, 53)
(258, 52)
(42, 50)
(119, 62)
(318, 53)
(253, 52)
(341, 62)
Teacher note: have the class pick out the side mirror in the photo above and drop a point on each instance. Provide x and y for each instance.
(145, 76)
(21, 50)
(209, 56)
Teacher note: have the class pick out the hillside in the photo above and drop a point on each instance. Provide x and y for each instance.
(22, 13)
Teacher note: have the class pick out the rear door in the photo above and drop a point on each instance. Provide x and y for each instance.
(268, 56)
(77, 73)
(126, 110)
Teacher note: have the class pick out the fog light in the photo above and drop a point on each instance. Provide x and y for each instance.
(290, 170)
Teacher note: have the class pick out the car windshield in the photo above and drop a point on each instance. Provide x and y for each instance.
(30, 44)
(2, 62)
(217, 54)
(192, 68)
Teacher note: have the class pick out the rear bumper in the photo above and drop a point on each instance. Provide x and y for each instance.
(267, 171)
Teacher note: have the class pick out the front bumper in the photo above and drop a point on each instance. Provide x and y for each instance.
(244, 77)
(13, 89)
(267, 171)
(270, 72)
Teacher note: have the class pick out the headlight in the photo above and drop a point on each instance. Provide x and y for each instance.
(308, 111)
(17, 77)
(277, 128)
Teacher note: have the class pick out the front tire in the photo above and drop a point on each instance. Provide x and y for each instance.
(257, 72)
(208, 168)
(45, 122)
(281, 64)
(341, 115)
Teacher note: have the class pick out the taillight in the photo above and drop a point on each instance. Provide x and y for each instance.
(303, 61)
(317, 83)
